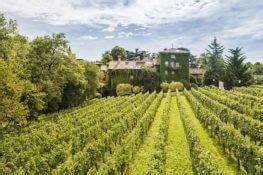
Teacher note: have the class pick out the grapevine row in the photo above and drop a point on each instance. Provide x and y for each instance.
(248, 126)
(249, 90)
(94, 151)
(202, 159)
(124, 152)
(46, 142)
(219, 96)
(230, 139)
(157, 163)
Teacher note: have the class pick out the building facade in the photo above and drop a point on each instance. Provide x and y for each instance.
(170, 65)
(174, 65)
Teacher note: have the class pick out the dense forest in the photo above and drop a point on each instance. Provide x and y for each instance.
(40, 76)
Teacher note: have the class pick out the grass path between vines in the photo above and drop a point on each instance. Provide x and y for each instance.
(227, 166)
(178, 160)
(139, 165)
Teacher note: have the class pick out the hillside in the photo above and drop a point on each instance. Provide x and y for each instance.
(204, 131)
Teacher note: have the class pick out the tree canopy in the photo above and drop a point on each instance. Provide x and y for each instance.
(117, 52)
(215, 63)
(237, 72)
(40, 76)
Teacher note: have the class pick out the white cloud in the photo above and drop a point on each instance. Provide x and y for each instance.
(109, 36)
(251, 28)
(125, 34)
(88, 37)
(110, 14)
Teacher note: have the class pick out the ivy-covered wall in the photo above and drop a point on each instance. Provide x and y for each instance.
(174, 66)
(149, 79)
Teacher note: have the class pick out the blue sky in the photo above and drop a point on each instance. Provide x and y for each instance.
(94, 26)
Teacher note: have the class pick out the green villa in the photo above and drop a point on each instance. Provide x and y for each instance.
(170, 65)
(174, 64)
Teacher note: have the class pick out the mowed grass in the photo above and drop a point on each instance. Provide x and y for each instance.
(143, 156)
(257, 85)
(178, 160)
(226, 165)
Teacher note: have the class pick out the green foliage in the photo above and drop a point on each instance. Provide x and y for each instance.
(98, 95)
(40, 76)
(106, 57)
(146, 78)
(118, 51)
(215, 64)
(247, 125)
(193, 61)
(193, 79)
(258, 68)
(230, 137)
(258, 79)
(173, 86)
(193, 85)
(202, 60)
(12, 110)
(124, 89)
(136, 89)
(170, 72)
(158, 158)
(164, 86)
(92, 75)
(237, 72)
(202, 159)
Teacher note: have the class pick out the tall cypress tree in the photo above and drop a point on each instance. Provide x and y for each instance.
(215, 67)
(237, 72)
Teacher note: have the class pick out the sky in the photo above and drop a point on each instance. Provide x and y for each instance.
(95, 26)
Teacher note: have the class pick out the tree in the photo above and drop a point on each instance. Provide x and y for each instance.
(106, 57)
(215, 65)
(258, 68)
(237, 72)
(202, 60)
(20, 98)
(193, 61)
(149, 80)
(46, 67)
(92, 75)
(12, 110)
(75, 88)
(118, 51)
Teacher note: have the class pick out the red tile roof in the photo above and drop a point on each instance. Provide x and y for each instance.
(197, 71)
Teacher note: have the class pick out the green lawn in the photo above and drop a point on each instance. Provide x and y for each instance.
(178, 160)
(257, 85)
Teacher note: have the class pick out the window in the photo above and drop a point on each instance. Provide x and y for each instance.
(166, 63)
(172, 56)
(172, 64)
(177, 65)
(172, 72)
(166, 72)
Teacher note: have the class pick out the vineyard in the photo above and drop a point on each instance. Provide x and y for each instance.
(204, 131)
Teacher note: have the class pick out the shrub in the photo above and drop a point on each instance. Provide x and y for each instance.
(98, 95)
(186, 84)
(193, 85)
(164, 86)
(124, 89)
(193, 79)
(136, 89)
(176, 85)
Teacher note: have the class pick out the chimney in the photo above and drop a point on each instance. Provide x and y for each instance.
(119, 57)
